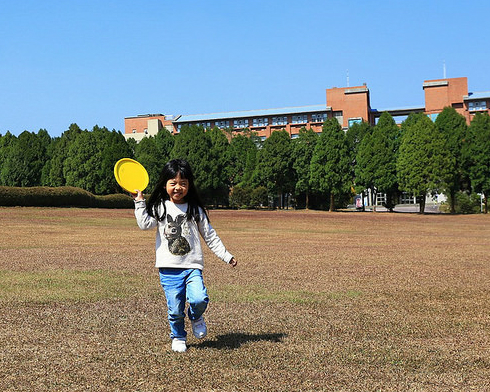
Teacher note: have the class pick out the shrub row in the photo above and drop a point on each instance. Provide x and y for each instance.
(64, 196)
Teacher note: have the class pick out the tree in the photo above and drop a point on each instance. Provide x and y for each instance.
(164, 142)
(26, 158)
(243, 158)
(302, 152)
(330, 166)
(114, 147)
(376, 160)
(424, 165)
(6, 143)
(274, 165)
(59, 152)
(193, 145)
(219, 166)
(477, 154)
(80, 168)
(453, 126)
(146, 153)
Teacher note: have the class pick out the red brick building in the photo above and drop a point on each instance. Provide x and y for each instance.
(347, 104)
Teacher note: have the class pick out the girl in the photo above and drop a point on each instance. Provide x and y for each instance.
(177, 212)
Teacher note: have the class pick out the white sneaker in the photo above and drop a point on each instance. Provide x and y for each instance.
(199, 328)
(178, 345)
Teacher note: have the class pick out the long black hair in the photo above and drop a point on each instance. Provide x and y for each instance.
(171, 170)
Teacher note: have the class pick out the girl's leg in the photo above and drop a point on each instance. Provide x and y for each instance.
(173, 283)
(197, 295)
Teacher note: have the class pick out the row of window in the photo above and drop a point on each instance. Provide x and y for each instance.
(477, 105)
(264, 121)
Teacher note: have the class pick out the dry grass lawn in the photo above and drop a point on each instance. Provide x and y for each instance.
(319, 302)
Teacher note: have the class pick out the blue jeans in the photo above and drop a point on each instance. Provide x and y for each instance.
(180, 285)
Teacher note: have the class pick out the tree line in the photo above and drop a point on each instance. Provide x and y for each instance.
(323, 170)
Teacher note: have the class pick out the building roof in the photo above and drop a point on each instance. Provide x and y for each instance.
(477, 95)
(397, 110)
(252, 113)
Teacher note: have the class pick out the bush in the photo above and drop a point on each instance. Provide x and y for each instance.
(65, 196)
(259, 197)
(240, 197)
(465, 204)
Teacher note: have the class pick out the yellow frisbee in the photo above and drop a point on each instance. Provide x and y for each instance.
(131, 175)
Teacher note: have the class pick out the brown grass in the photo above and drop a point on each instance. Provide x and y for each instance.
(319, 301)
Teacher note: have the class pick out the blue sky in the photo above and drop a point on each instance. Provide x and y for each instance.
(97, 61)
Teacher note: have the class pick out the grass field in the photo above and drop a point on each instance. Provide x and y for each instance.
(319, 302)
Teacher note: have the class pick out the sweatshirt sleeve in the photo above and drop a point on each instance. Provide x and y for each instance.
(212, 240)
(144, 220)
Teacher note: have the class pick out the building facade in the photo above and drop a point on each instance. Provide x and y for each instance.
(348, 105)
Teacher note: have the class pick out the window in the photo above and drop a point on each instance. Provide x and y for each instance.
(318, 117)
(355, 120)
(204, 124)
(240, 123)
(281, 120)
(295, 136)
(380, 199)
(300, 119)
(477, 105)
(260, 122)
(222, 124)
(339, 116)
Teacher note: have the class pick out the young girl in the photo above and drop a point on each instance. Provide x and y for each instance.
(177, 212)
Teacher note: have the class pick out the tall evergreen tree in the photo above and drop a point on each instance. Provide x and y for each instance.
(274, 165)
(243, 154)
(377, 155)
(453, 126)
(219, 165)
(59, 154)
(146, 153)
(194, 145)
(6, 143)
(302, 152)
(26, 158)
(424, 164)
(330, 163)
(477, 154)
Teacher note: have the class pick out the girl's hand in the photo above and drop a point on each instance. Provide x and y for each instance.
(233, 262)
(138, 196)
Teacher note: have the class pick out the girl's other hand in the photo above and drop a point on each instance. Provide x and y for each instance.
(138, 196)
(233, 262)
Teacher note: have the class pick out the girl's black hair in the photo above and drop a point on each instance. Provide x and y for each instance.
(159, 194)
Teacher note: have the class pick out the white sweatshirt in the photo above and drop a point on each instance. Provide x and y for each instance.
(177, 239)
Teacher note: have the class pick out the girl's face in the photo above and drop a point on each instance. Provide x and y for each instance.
(177, 189)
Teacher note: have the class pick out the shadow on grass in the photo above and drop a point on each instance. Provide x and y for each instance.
(232, 341)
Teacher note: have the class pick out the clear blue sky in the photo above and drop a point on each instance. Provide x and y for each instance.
(97, 61)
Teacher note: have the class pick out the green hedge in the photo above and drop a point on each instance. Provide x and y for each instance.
(65, 196)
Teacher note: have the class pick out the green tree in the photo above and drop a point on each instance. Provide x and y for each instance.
(220, 166)
(274, 165)
(59, 152)
(6, 143)
(424, 164)
(376, 160)
(114, 147)
(194, 145)
(453, 126)
(146, 153)
(330, 163)
(477, 153)
(243, 159)
(302, 152)
(82, 163)
(164, 142)
(26, 158)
